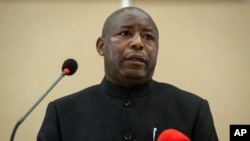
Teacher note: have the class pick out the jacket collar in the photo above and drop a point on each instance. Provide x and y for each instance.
(113, 89)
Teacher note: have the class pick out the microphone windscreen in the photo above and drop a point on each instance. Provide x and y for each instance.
(69, 66)
(172, 135)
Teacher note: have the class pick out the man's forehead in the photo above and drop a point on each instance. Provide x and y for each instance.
(131, 14)
(134, 11)
(128, 16)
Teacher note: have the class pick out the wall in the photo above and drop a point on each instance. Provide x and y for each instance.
(204, 48)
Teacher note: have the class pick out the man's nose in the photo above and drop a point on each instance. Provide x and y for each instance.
(137, 42)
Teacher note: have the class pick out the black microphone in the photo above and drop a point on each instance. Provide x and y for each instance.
(69, 67)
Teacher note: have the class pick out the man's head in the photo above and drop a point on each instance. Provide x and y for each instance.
(129, 45)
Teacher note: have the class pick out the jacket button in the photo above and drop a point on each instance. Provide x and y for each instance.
(127, 102)
(127, 136)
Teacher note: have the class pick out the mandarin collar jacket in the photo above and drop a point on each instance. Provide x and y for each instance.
(109, 112)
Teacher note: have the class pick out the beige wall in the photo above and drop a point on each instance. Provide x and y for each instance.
(204, 48)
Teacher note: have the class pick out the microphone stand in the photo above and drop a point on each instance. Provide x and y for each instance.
(34, 106)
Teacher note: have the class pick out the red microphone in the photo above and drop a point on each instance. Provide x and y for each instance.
(172, 135)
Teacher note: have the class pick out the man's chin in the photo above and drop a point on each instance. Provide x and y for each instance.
(134, 74)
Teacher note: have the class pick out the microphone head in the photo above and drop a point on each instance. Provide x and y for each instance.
(172, 135)
(69, 66)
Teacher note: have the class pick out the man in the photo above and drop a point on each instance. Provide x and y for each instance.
(128, 104)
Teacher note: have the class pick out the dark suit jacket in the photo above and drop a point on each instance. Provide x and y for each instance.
(108, 112)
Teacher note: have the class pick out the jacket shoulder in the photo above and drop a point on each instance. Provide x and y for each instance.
(174, 93)
(92, 90)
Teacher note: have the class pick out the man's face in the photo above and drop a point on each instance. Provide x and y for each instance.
(130, 48)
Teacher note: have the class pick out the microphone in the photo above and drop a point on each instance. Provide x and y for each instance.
(172, 135)
(69, 67)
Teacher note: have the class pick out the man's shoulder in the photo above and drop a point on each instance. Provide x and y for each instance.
(82, 94)
(174, 92)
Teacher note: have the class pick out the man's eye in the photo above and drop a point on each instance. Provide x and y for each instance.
(148, 37)
(125, 33)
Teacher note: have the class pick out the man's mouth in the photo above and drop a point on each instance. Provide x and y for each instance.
(136, 58)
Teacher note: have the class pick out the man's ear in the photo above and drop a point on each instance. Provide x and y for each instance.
(100, 46)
